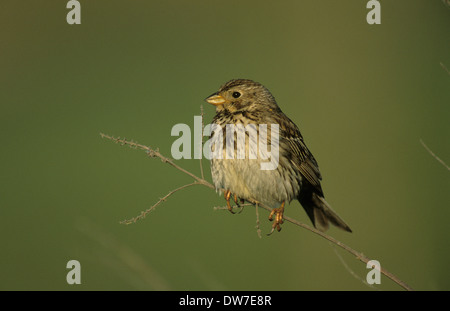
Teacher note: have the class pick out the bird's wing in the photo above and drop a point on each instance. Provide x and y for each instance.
(299, 154)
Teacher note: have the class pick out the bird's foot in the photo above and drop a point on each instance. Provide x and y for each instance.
(238, 202)
(227, 195)
(278, 212)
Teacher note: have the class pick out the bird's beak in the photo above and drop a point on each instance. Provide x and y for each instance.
(215, 99)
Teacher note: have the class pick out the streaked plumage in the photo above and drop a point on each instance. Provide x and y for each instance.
(297, 176)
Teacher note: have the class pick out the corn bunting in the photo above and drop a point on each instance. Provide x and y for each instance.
(295, 175)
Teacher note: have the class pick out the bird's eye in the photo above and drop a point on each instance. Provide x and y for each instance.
(236, 94)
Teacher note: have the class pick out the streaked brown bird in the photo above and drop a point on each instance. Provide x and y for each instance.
(297, 175)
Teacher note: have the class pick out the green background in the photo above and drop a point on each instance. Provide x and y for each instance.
(362, 95)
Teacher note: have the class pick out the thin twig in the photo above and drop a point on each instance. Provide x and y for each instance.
(358, 255)
(154, 153)
(144, 213)
(241, 206)
(349, 270)
(201, 146)
(434, 156)
(201, 181)
(445, 68)
(258, 230)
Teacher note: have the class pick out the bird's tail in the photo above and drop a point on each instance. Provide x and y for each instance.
(321, 213)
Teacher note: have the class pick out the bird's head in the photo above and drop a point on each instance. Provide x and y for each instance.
(242, 95)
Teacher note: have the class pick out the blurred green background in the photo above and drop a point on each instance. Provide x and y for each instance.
(363, 96)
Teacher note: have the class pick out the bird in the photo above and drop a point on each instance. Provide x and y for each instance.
(244, 102)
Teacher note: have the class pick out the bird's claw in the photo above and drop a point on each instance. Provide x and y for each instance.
(238, 201)
(227, 195)
(278, 212)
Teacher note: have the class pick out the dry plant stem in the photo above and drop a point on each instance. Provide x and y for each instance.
(445, 68)
(358, 255)
(201, 181)
(144, 213)
(353, 273)
(154, 153)
(203, 126)
(258, 230)
(434, 156)
(233, 207)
